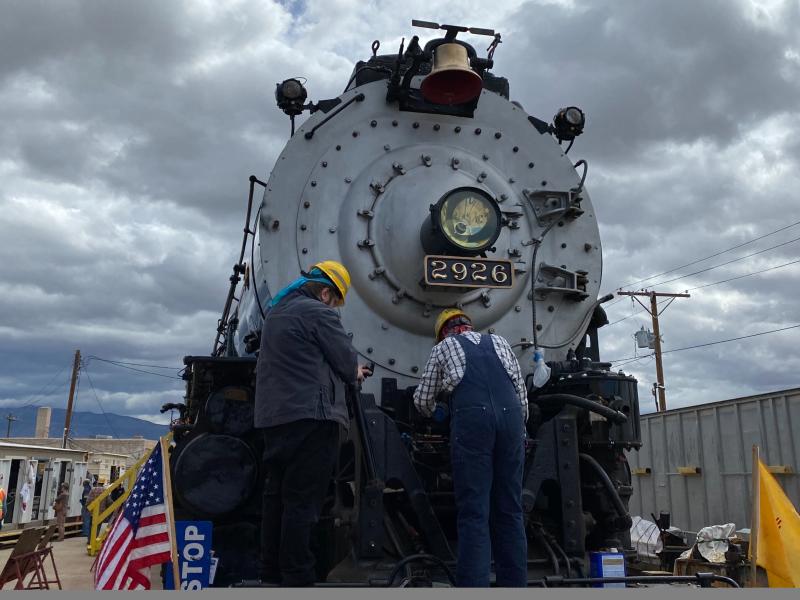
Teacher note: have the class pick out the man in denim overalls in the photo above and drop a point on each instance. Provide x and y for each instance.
(488, 410)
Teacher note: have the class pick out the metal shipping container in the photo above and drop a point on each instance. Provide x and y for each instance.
(696, 462)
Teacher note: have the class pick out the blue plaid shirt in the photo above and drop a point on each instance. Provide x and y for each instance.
(447, 363)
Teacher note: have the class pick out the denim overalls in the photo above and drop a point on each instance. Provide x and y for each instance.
(487, 433)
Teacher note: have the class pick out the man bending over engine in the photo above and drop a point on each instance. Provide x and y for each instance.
(488, 410)
(304, 363)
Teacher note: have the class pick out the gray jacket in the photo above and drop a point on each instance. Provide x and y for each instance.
(304, 363)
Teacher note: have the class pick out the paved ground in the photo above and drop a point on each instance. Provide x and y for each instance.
(73, 565)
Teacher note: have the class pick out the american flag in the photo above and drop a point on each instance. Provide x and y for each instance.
(140, 535)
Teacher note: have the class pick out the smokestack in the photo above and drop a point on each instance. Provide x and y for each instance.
(43, 422)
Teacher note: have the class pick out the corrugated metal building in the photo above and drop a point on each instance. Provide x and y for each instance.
(716, 438)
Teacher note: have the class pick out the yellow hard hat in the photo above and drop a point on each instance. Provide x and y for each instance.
(444, 317)
(337, 273)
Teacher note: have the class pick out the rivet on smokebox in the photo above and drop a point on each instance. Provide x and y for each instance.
(392, 361)
(305, 250)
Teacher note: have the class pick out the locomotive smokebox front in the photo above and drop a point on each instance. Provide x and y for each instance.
(428, 211)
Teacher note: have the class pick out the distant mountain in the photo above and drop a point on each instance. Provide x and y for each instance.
(84, 424)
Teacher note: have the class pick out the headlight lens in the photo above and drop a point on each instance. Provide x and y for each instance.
(469, 219)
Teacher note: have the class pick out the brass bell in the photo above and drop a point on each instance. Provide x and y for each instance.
(451, 81)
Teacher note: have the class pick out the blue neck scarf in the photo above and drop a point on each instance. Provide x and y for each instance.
(314, 275)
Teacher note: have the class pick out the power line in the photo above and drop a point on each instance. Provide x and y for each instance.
(121, 362)
(100, 404)
(633, 360)
(641, 310)
(699, 260)
(794, 262)
(30, 401)
(699, 287)
(116, 364)
(727, 263)
(742, 337)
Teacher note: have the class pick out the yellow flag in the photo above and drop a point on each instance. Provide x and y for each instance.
(778, 533)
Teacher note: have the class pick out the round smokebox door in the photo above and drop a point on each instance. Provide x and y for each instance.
(215, 474)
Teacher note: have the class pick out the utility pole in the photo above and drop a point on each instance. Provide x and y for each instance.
(654, 313)
(10, 418)
(75, 366)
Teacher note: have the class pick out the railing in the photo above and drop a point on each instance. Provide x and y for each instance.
(97, 515)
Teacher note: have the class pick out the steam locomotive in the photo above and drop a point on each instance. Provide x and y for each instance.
(435, 190)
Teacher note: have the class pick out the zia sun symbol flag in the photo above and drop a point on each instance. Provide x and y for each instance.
(141, 534)
(778, 532)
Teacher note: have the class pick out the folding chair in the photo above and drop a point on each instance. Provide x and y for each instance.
(23, 559)
(46, 537)
(43, 550)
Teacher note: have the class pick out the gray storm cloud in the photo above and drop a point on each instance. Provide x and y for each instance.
(129, 130)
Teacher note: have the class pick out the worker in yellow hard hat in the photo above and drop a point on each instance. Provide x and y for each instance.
(327, 278)
(306, 362)
(487, 408)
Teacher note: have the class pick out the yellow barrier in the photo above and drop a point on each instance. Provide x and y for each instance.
(98, 516)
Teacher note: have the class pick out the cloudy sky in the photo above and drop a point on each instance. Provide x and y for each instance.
(128, 131)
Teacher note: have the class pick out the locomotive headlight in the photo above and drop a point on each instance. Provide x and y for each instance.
(468, 219)
(568, 123)
(290, 96)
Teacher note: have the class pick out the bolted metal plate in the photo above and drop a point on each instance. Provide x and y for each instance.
(359, 193)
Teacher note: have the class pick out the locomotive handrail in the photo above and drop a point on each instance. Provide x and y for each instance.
(238, 268)
(98, 515)
(357, 98)
(361, 424)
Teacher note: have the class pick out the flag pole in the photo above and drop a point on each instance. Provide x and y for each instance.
(755, 517)
(164, 441)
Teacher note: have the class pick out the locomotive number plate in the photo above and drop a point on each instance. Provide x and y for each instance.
(457, 271)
